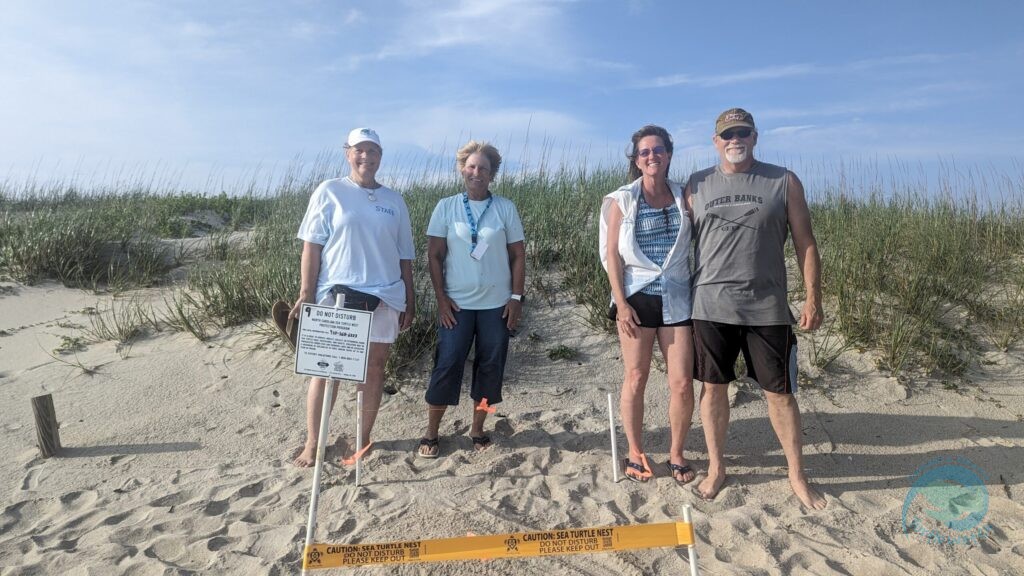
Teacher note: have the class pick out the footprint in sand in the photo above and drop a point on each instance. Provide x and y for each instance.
(170, 500)
(217, 542)
(251, 490)
(116, 518)
(508, 463)
(216, 507)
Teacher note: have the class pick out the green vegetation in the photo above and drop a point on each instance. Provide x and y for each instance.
(922, 281)
(562, 352)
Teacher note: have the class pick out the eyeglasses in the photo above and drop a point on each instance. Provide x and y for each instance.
(668, 222)
(735, 133)
(645, 152)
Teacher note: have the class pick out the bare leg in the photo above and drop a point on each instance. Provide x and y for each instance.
(784, 413)
(677, 347)
(434, 415)
(314, 405)
(636, 360)
(714, 412)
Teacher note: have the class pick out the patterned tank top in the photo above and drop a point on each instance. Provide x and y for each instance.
(656, 230)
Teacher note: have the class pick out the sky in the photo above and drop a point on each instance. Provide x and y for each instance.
(89, 90)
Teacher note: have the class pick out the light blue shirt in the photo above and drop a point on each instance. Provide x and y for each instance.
(485, 283)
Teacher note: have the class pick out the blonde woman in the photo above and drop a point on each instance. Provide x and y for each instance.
(477, 259)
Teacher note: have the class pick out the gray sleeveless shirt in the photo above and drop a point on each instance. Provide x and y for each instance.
(741, 229)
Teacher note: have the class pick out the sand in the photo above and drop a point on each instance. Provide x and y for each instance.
(177, 460)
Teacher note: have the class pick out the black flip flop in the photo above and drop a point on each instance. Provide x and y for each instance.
(644, 474)
(674, 469)
(484, 442)
(429, 443)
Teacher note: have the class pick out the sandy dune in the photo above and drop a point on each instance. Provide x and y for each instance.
(177, 456)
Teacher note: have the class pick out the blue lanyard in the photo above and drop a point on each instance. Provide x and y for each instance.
(469, 215)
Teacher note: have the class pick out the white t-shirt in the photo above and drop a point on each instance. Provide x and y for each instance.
(485, 283)
(363, 240)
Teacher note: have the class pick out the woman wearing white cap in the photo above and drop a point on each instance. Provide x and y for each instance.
(357, 246)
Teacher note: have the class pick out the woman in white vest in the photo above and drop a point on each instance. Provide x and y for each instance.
(357, 247)
(645, 244)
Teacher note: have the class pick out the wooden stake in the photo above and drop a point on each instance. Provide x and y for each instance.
(47, 427)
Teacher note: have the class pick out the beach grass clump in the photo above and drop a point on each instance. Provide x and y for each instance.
(183, 314)
(911, 275)
(123, 322)
(65, 245)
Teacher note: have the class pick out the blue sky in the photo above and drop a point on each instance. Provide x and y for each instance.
(198, 87)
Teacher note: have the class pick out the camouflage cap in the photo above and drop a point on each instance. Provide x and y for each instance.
(732, 118)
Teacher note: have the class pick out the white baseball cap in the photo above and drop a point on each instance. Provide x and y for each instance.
(360, 135)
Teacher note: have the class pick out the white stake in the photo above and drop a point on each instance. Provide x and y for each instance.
(611, 434)
(692, 548)
(321, 444)
(321, 448)
(359, 434)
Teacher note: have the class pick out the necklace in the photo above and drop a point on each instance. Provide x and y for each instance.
(371, 193)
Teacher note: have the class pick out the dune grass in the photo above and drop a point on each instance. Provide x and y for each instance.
(924, 281)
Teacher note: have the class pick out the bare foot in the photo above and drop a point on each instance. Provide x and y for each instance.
(709, 487)
(306, 457)
(808, 496)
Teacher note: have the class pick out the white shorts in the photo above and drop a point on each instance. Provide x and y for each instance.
(383, 326)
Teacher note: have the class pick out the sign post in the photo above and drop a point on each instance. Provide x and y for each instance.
(333, 344)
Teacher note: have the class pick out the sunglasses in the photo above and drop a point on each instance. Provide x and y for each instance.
(645, 152)
(736, 132)
(668, 221)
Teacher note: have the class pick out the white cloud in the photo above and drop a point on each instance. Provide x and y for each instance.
(911, 59)
(787, 130)
(519, 30)
(775, 72)
(766, 73)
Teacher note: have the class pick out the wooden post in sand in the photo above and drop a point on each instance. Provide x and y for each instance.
(47, 427)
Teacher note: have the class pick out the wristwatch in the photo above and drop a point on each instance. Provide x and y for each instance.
(519, 298)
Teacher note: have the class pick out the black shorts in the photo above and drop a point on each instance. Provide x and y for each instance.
(769, 352)
(648, 309)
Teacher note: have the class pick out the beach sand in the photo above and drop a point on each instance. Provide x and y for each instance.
(177, 459)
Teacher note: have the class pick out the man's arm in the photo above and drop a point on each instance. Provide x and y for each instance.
(806, 248)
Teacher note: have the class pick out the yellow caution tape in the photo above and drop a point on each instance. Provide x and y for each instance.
(516, 545)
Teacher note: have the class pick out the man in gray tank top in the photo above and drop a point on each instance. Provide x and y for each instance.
(743, 211)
